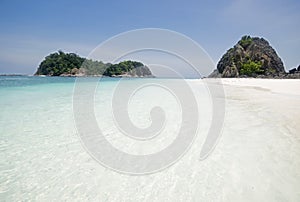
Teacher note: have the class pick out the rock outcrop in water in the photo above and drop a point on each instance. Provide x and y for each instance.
(251, 57)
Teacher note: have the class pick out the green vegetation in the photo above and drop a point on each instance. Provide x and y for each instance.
(90, 67)
(125, 66)
(245, 41)
(58, 63)
(61, 63)
(250, 67)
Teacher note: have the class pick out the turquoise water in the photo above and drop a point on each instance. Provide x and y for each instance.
(39, 147)
(41, 154)
(21, 81)
(33, 111)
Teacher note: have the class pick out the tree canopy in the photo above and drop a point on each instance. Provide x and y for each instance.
(60, 63)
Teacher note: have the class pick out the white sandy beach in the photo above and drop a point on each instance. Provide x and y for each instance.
(256, 158)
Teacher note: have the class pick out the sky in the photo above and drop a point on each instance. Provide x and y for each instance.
(31, 30)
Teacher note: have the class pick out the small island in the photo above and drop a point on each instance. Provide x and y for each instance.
(252, 57)
(71, 64)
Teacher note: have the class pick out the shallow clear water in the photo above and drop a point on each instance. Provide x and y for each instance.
(41, 153)
(42, 158)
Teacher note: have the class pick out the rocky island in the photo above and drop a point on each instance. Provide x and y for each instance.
(70, 64)
(252, 57)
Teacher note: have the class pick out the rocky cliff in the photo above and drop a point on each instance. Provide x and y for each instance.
(250, 57)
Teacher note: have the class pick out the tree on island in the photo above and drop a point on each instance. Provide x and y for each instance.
(59, 63)
(68, 64)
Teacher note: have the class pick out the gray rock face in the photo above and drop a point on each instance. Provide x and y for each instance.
(250, 57)
(142, 71)
(215, 74)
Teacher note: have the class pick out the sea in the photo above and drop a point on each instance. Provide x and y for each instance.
(44, 156)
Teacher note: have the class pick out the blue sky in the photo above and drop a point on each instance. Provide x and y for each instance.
(30, 30)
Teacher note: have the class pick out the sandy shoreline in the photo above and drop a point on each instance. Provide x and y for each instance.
(263, 122)
(287, 86)
(256, 158)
